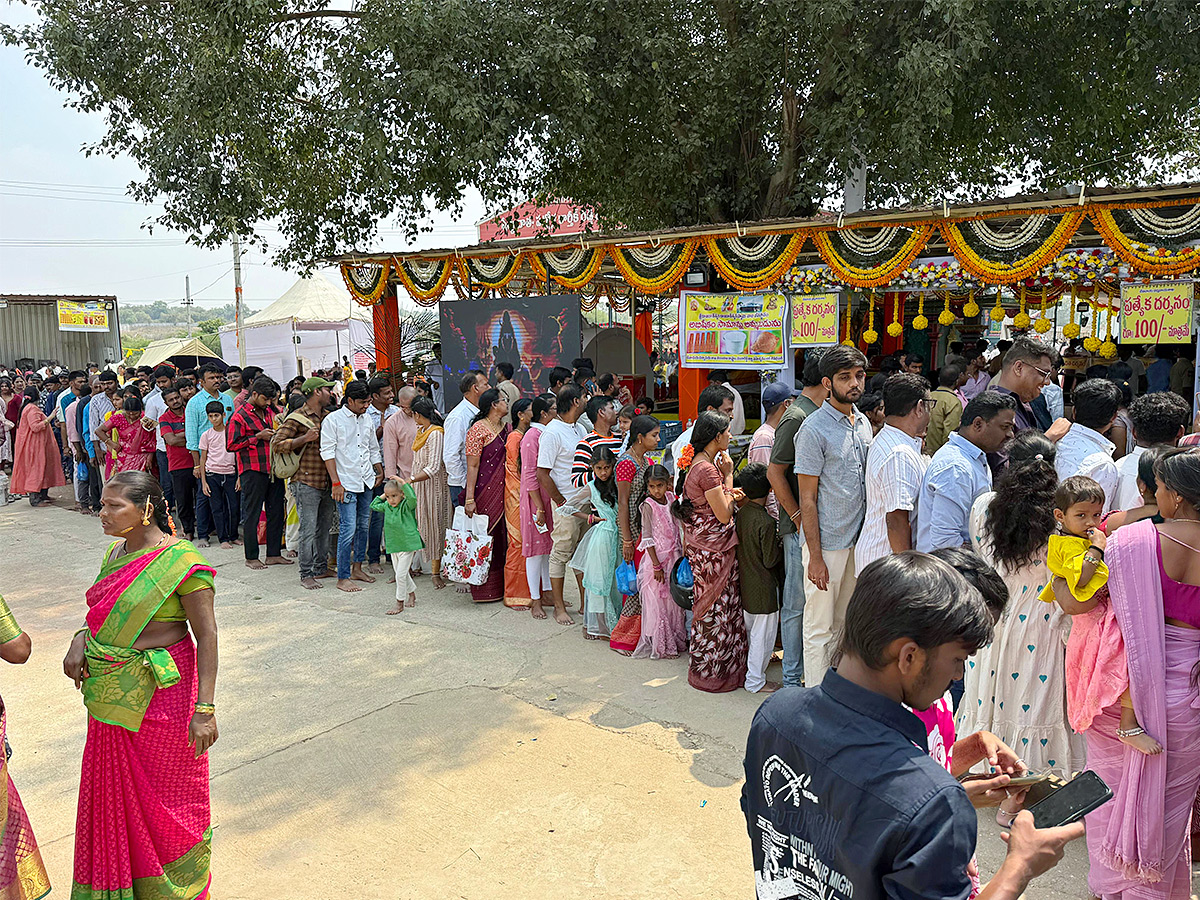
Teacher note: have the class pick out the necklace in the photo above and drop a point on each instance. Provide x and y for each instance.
(1197, 521)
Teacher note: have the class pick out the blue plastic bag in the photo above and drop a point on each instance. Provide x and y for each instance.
(627, 579)
(683, 574)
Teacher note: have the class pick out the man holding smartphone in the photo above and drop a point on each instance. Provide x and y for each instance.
(842, 798)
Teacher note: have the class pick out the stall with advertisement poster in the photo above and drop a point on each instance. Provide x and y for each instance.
(1056, 264)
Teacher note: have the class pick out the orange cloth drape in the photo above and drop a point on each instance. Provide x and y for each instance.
(516, 585)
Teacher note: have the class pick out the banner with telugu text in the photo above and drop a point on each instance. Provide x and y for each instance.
(1159, 312)
(88, 316)
(731, 331)
(814, 319)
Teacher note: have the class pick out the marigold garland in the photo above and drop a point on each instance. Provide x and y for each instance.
(920, 323)
(1043, 324)
(1022, 321)
(1155, 261)
(662, 281)
(996, 272)
(491, 271)
(876, 275)
(848, 341)
(1108, 349)
(896, 328)
(997, 313)
(370, 293)
(946, 316)
(586, 271)
(1092, 343)
(685, 458)
(970, 308)
(870, 336)
(736, 272)
(426, 290)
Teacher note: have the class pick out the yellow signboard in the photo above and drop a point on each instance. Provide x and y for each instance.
(731, 331)
(814, 320)
(1157, 313)
(90, 315)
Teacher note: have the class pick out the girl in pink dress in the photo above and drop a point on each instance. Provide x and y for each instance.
(536, 520)
(664, 635)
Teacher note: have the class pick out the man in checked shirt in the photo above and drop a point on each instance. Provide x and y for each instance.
(248, 435)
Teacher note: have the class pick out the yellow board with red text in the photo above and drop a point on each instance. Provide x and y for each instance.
(1159, 312)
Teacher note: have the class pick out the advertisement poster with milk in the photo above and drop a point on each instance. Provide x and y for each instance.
(732, 331)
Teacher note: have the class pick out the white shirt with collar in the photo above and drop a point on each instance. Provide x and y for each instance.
(154, 408)
(379, 416)
(1128, 496)
(895, 470)
(737, 421)
(349, 440)
(454, 448)
(1085, 451)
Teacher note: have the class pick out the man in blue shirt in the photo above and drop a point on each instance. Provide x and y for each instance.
(842, 799)
(959, 472)
(195, 418)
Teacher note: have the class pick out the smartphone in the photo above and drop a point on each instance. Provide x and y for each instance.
(1071, 802)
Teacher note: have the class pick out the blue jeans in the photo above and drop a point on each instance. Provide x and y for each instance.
(164, 477)
(354, 522)
(375, 532)
(204, 517)
(791, 612)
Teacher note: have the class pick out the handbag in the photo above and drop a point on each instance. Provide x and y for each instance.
(627, 579)
(468, 553)
(286, 464)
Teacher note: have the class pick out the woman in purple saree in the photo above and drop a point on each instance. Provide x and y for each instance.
(1138, 842)
(485, 485)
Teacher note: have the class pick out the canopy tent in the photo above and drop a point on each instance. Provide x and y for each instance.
(183, 352)
(313, 325)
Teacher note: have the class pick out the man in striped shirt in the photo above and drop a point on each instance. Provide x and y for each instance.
(602, 411)
(248, 434)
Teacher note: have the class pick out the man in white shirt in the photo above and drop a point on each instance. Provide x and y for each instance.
(895, 470)
(737, 416)
(155, 406)
(380, 410)
(556, 453)
(1159, 420)
(716, 397)
(351, 454)
(454, 450)
(1084, 450)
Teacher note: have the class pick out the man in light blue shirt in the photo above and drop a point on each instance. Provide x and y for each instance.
(195, 423)
(959, 472)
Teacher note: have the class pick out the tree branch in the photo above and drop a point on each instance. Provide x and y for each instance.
(319, 13)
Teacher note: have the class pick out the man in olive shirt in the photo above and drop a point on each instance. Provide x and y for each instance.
(781, 473)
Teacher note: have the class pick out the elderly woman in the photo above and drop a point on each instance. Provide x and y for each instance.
(486, 447)
(143, 815)
(37, 465)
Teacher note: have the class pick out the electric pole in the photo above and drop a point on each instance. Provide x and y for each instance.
(187, 294)
(237, 298)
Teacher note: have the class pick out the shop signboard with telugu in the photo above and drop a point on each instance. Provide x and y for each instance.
(90, 315)
(732, 331)
(814, 319)
(1159, 312)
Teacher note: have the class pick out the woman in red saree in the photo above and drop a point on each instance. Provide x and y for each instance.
(630, 474)
(142, 827)
(22, 874)
(133, 441)
(486, 452)
(37, 466)
(718, 645)
(516, 586)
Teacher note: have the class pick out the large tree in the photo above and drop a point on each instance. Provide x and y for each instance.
(659, 114)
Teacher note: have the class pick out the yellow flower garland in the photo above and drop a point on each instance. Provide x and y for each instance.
(896, 328)
(997, 314)
(365, 298)
(753, 281)
(1108, 349)
(433, 295)
(1092, 343)
(1071, 330)
(1043, 324)
(876, 275)
(1139, 255)
(1009, 273)
(663, 282)
(1021, 321)
(970, 308)
(920, 323)
(870, 336)
(848, 341)
(946, 316)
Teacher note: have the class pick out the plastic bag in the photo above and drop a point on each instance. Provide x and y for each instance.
(627, 579)
(682, 593)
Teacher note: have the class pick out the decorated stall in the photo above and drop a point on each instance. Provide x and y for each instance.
(1101, 264)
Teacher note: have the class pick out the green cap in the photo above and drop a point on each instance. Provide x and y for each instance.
(314, 384)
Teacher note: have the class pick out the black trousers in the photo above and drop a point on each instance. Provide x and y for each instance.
(91, 499)
(183, 485)
(260, 491)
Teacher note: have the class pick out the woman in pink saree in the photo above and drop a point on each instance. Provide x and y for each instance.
(36, 464)
(130, 435)
(1138, 842)
(486, 440)
(142, 826)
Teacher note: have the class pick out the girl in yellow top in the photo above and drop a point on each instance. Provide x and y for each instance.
(1076, 555)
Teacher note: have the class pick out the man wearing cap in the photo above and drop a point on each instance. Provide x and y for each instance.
(776, 400)
(300, 433)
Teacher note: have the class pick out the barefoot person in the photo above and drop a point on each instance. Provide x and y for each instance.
(248, 434)
(401, 538)
(36, 465)
(429, 480)
(142, 827)
(485, 447)
(355, 466)
(556, 453)
(300, 432)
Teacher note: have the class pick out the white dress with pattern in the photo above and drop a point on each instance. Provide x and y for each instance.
(1016, 687)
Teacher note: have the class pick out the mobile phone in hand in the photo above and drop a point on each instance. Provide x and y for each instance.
(1071, 802)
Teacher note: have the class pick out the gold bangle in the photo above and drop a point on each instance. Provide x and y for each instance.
(206, 709)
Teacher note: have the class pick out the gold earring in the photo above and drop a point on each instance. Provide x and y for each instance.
(146, 513)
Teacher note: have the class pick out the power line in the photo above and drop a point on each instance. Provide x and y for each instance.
(62, 184)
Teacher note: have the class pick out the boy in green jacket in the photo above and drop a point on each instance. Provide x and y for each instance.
(401, 539)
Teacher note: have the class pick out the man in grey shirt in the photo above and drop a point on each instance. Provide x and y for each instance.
(102, 404)
(831, 459)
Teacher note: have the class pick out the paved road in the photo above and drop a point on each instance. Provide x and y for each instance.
(452, 751)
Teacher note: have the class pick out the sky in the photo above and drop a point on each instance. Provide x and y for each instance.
(68, 227)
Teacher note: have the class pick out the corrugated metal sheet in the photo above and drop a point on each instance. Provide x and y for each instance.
(29, 328)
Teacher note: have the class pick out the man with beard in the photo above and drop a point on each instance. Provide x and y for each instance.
(831, 459)
(840, 786)
(300, 433)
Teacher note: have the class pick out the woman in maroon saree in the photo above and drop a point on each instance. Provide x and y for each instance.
(485, 485)
(718, 645)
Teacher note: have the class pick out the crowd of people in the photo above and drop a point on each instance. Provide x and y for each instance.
(1050, 503)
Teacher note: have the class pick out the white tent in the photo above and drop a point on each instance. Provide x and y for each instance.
(185, 352)
(312, 326)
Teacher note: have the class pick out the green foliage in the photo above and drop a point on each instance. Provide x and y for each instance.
(160, 313)
(659, 114)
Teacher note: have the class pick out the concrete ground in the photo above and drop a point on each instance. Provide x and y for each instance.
(453, 751)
